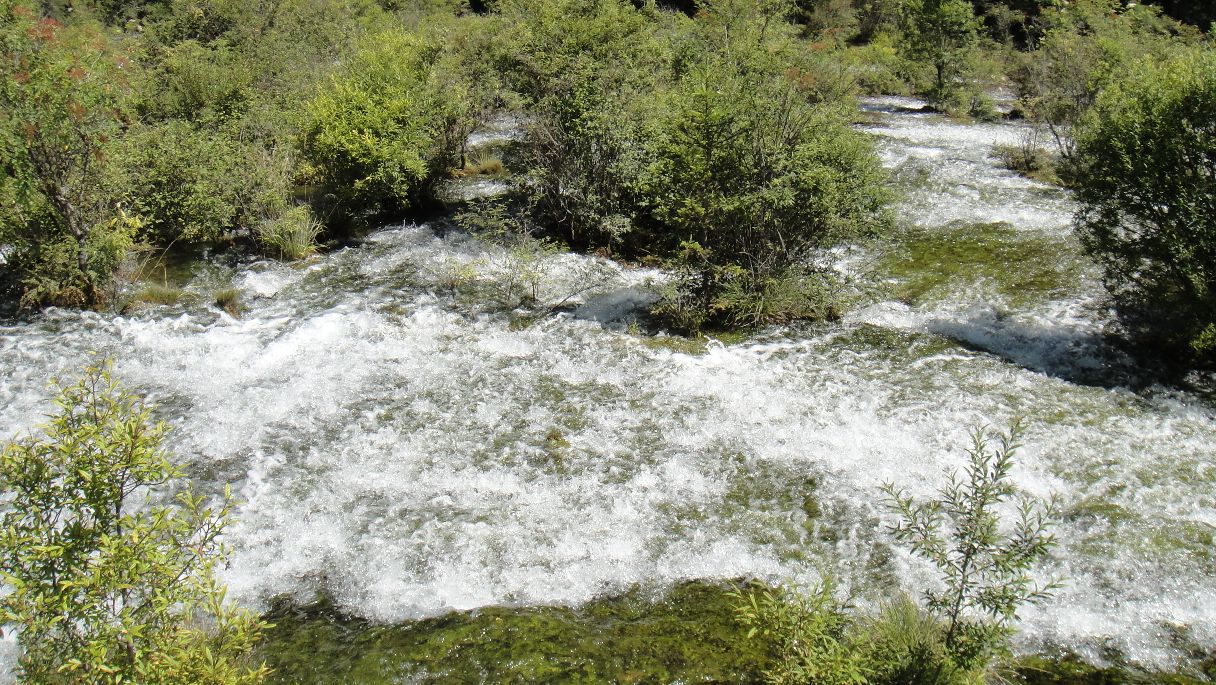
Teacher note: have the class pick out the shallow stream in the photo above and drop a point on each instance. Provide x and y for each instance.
(406, 450)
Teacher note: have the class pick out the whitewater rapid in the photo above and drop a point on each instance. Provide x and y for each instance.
(410, 451)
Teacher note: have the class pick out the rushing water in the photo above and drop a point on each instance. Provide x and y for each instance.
(410, 451)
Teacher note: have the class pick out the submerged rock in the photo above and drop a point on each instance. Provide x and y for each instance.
(617, 305)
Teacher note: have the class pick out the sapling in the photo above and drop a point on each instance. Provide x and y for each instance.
(105, 583)
(985, 562)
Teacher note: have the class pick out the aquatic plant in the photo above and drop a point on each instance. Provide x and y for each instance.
(159, 294)
(229, 299)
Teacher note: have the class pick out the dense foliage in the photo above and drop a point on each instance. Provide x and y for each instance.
(106, 584)
(64, 98)
(711, 137)
(712, 144)
(376, 134)
(1147, 182)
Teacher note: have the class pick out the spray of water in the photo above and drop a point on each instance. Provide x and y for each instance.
(409, 451)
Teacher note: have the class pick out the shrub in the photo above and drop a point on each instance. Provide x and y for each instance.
(1083, 48)
(1145, 164)
(49, 263)
(755, 181)
(108, 584)
(182, 180)
(198, 83)
(481, 166)
(63, 100)
(906, 646)
(985, 566)
(1028, 157)
(589, 72)
(292, 235)
(521, 270)
(812, 635)
(833, 21)
(877, 66)
(717, 143)
(375, 137)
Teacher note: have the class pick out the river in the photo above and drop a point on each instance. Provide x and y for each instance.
(409, 450)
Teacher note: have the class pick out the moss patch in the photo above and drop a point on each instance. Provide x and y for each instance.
(694, 345)
(688, 635)
(1019, 268)
(1068, 670)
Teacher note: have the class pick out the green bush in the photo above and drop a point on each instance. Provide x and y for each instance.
(518, 274)
(906, 646)
(184, 181)
(717, 143)
(588, 73)
(1084, 46)
(198, 83)
(985, 566)
(375, 136)
(877, 66)
(1029, 157)
(229, 300)
(108, 585)
(64, 99)
(1145, 164)
(754, 180)
(159, 294)
(812, 635)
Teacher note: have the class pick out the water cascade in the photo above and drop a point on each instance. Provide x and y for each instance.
(407, 450)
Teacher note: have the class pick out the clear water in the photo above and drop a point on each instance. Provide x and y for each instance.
(410, 451)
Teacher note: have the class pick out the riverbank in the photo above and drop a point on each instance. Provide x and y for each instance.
(687, 634)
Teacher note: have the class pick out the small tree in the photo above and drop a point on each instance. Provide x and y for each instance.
(985, 566)
(943, 34)
(106, 584)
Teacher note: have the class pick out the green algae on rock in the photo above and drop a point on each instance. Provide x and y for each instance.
(688, 635)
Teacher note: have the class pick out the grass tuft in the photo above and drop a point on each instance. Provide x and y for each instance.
(292, 235)
(487, 166)
(229, 299)
(159, 294)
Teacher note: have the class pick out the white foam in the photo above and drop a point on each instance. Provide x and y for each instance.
(409, 454)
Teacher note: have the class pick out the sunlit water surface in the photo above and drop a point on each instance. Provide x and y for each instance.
(410, 452)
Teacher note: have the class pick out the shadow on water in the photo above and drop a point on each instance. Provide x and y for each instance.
(1077, 354)
(1082, 355)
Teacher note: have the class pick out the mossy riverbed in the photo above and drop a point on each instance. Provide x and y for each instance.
(687, 634)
